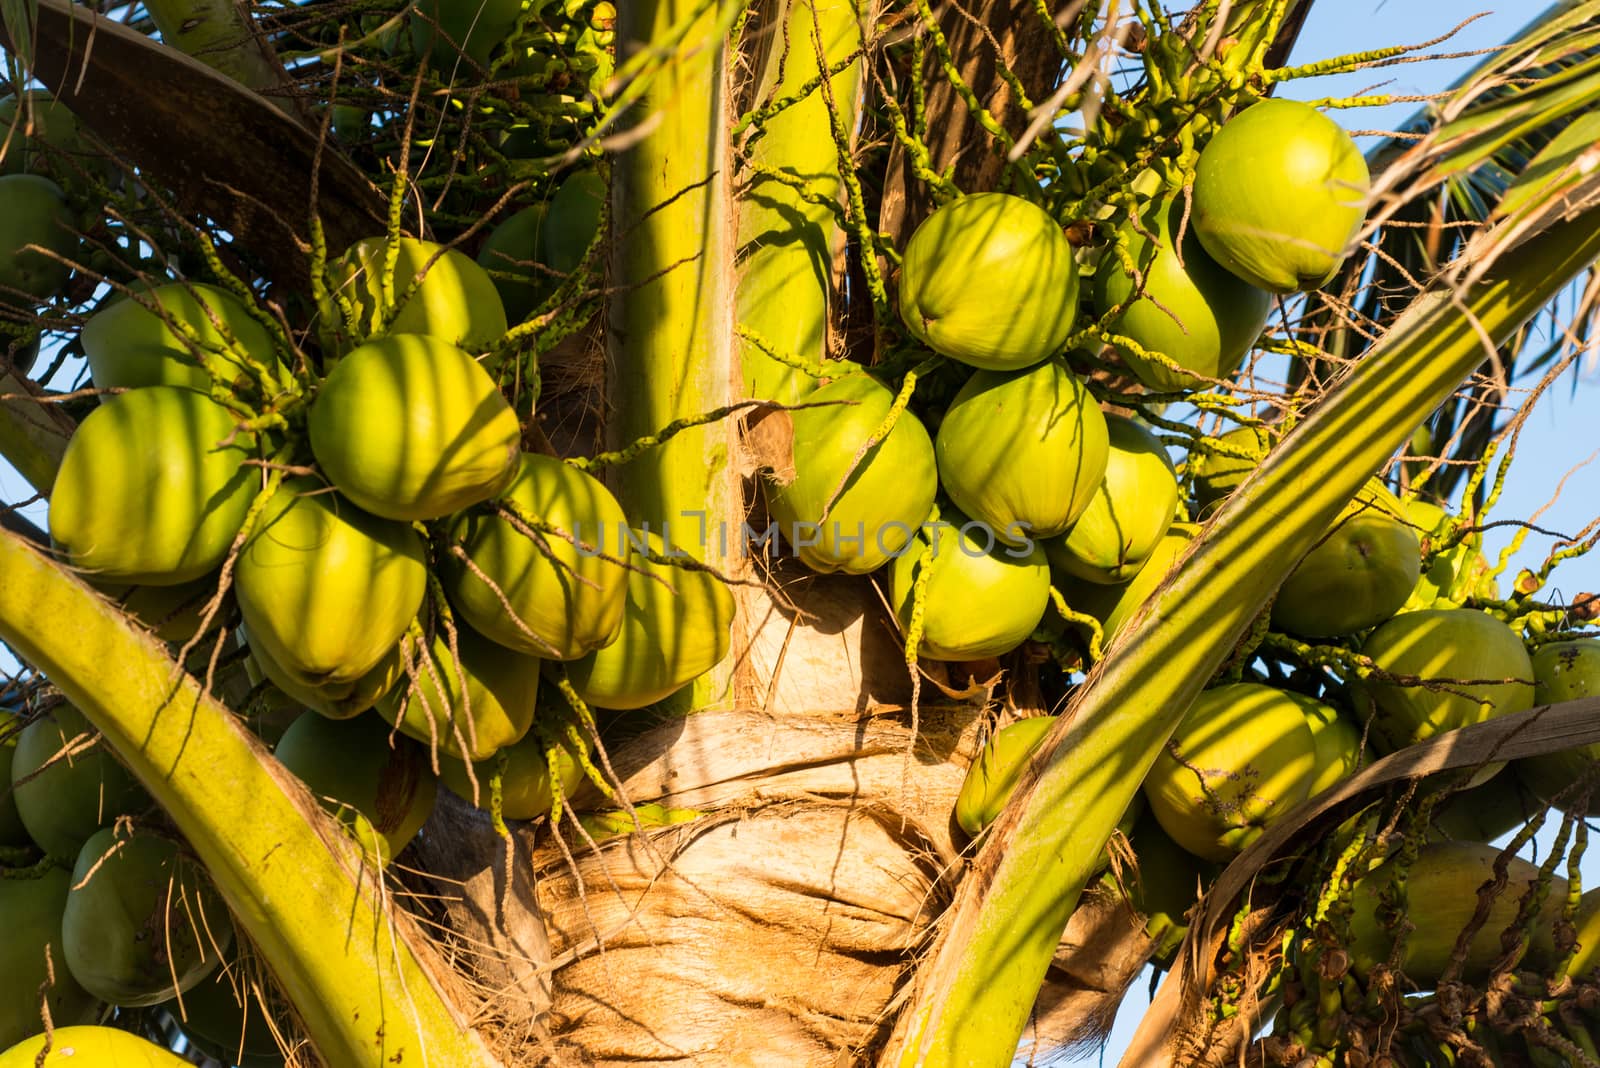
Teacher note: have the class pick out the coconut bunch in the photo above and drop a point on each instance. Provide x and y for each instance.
(394, 555)
(1027, 470)
(101, 908)
(1017, 500)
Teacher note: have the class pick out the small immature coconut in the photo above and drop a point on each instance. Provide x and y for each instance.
(990, 280)
(1448, 580)
(1217, 470)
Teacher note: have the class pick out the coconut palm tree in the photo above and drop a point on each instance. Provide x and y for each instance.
(762, 868)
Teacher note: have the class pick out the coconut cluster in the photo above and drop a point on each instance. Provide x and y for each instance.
(125, 916)
(395, 555)
(984, 505)
(1024, 465)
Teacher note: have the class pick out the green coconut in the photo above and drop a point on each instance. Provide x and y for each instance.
(350, 125)
(452, 32)
(63, 804)
(886, 496)
(501, 688)
(1470, 667)
(1243, 757)
(41, 136)
(1220, 465)
(675, 628)
(170, 335)
(1279, 192)
(1360, 573)
(12, 831)
(990, 280)
(31, 904)
(325, 589)
(993, 776)
(142, 922)
(34, 211)
(1448, 579)
(367, 776)
(1441, 885)
(1189, 309)
(511, 256)
(1115, 605)
(1564, 671)
(1023, 451)
(565, 591)
(576, 212)
(525, 785)
(153, 488)
(412, 428)
(1132, 508)
(453, 300)
(84, 1046)
(982, 598)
